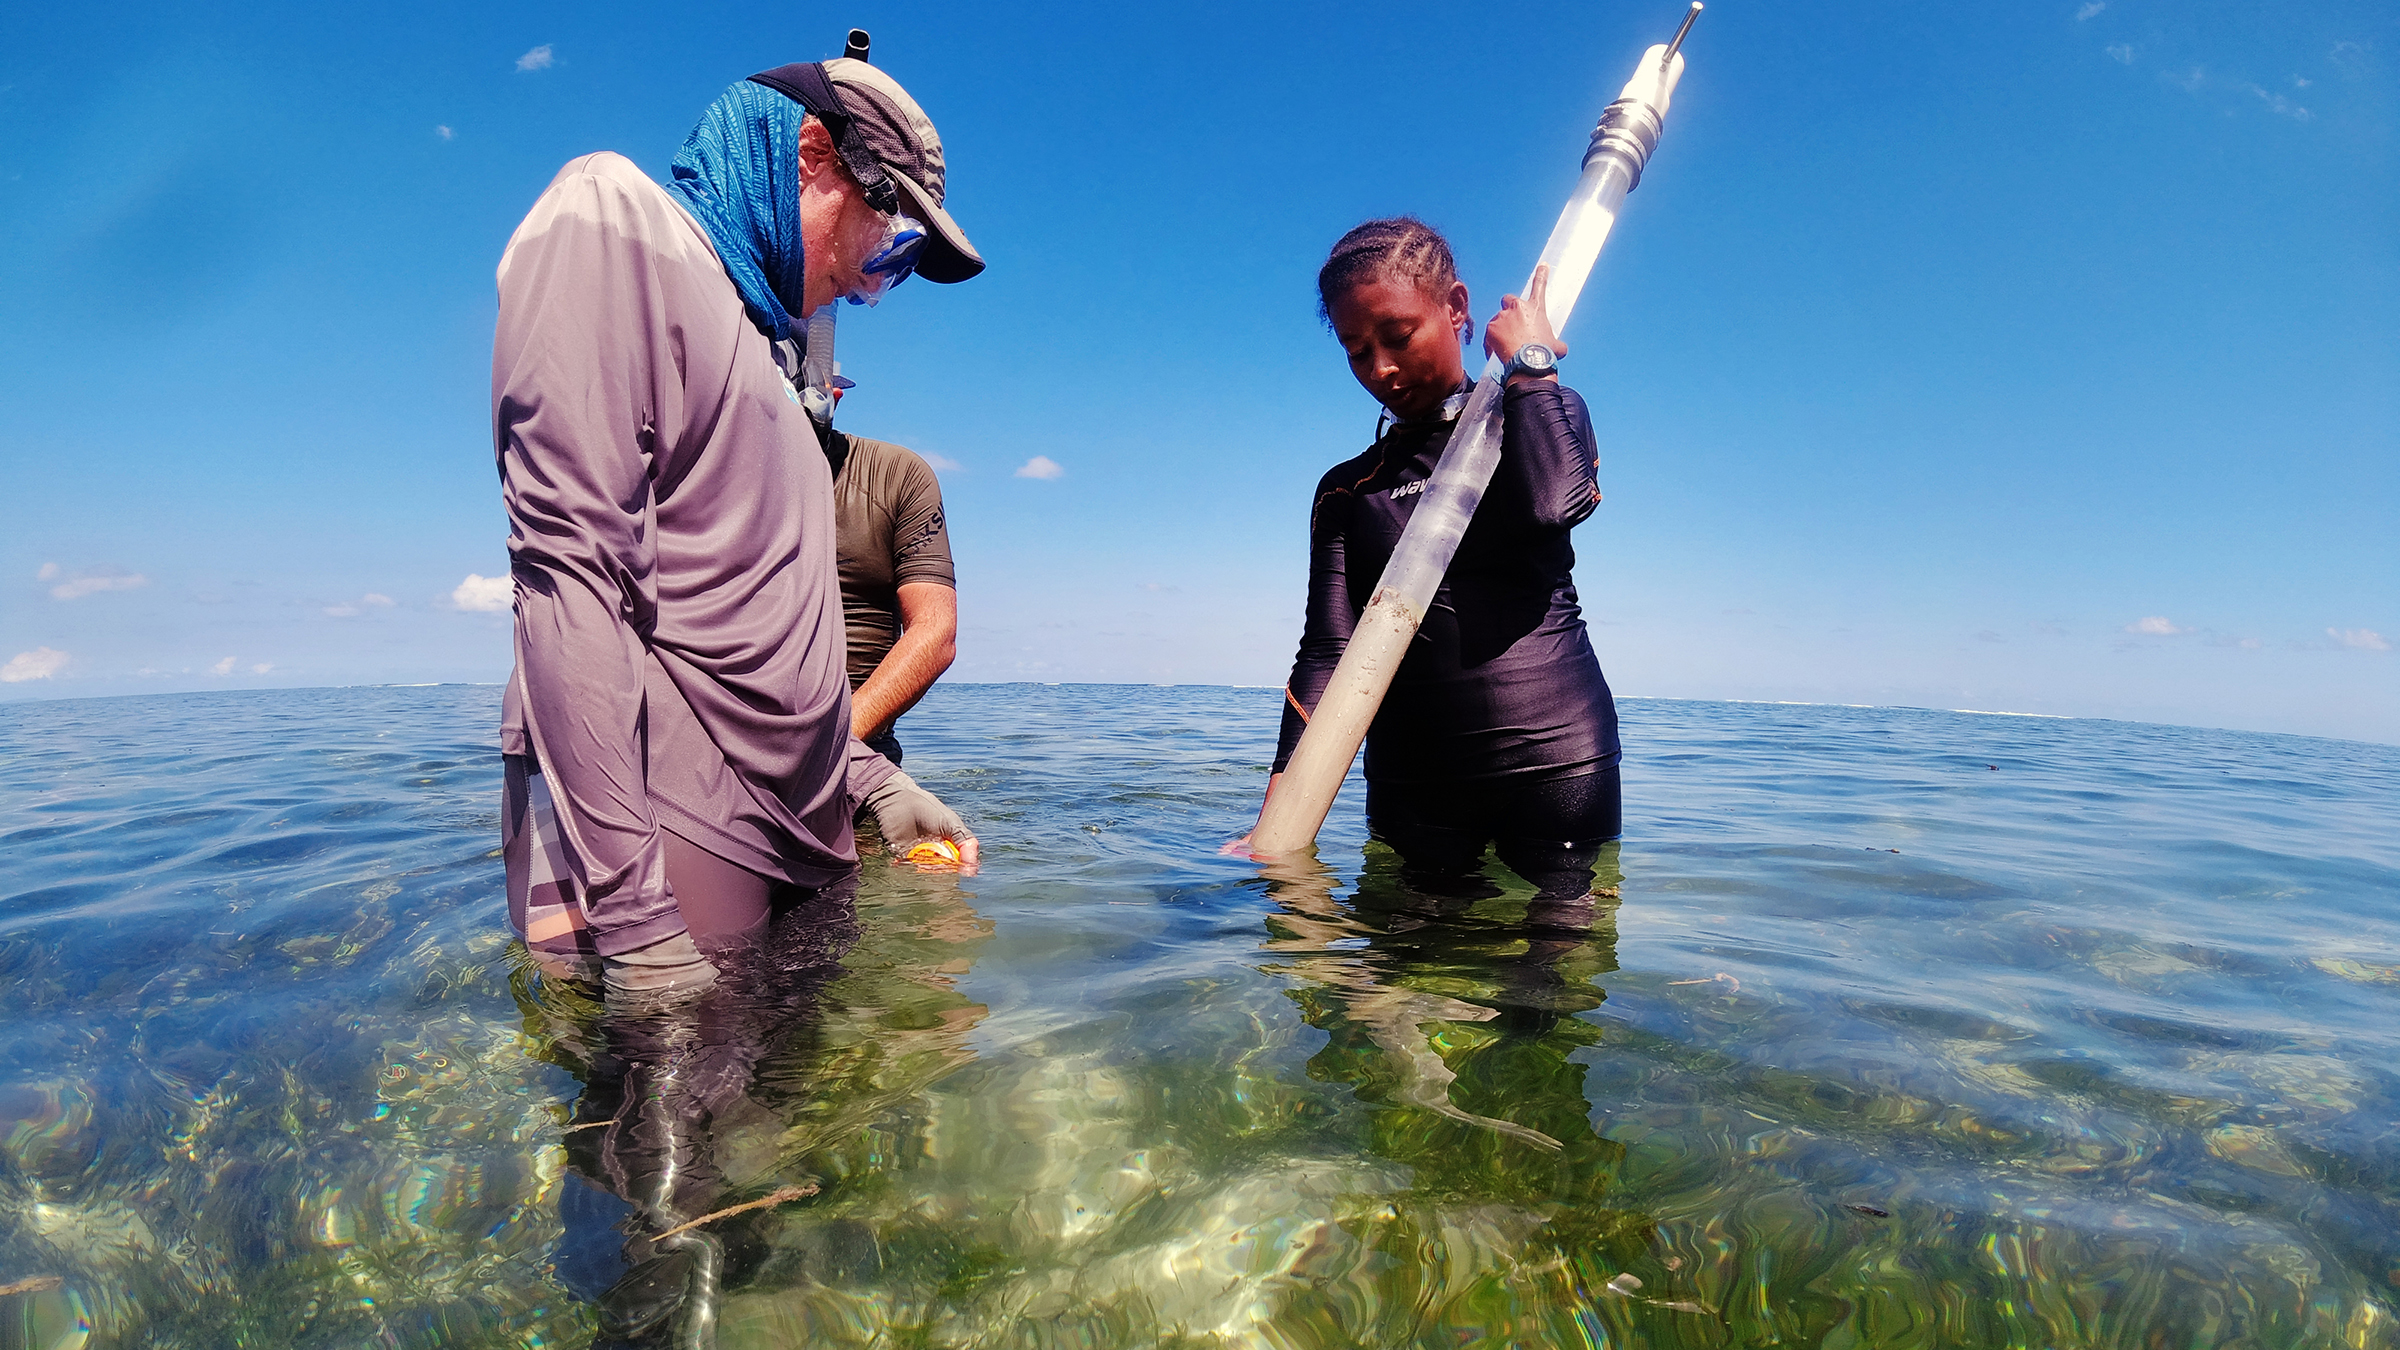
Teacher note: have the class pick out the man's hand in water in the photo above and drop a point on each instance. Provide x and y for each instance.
(908, 815)
(1523, 320)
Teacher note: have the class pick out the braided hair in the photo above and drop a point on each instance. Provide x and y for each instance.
(1398, 246)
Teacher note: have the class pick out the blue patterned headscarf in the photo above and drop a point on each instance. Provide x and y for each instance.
(739, 174)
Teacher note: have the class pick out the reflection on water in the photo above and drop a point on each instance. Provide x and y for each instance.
(1883, 1028)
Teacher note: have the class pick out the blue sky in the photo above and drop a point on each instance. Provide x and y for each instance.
(2037, 357)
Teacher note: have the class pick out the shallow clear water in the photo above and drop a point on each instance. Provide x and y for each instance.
(1903, 1029)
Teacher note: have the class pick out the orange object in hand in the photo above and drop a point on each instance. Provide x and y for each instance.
(932, 851)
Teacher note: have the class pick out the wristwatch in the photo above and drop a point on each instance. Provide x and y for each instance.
(1533, 359)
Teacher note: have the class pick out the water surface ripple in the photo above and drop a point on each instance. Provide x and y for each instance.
(1889, 1028)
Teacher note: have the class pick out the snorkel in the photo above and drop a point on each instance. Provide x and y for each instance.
(819, 371)
(1620, 146)
(889, 264)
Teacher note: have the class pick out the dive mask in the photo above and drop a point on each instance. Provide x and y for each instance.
(892, 259)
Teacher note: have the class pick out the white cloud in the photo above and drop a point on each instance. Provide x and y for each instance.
(2090, 10)
(484, 594)
(49, 572)
(540, 58)
(262, 667)
(942, 463)
(444, 132)
(2154, 626)
(2361, 639)
(2198, 81)
(91, 581)
(39, 664)
(224, 667)
(2123, 52)
(1042, 466)
(2281, 106)
(351, 609)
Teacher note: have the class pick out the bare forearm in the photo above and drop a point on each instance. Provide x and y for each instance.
(925, 649)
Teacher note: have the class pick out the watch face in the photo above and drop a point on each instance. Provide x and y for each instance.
(1535, 356)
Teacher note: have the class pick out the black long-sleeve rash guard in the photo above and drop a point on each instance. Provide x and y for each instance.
(1501, 679)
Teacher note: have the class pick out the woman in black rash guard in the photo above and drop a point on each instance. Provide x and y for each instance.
(1499, 728)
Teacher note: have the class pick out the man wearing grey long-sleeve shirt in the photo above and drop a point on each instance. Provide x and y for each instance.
(677, 729)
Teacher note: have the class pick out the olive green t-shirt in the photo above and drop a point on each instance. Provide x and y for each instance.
(890, 532)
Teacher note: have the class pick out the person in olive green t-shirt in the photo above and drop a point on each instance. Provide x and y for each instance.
(899, 590)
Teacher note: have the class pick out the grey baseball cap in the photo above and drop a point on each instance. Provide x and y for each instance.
(888, 144)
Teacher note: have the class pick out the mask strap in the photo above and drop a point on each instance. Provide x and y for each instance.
(806, 85)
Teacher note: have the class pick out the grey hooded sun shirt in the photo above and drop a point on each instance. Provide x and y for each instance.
(679, 629)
